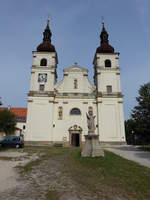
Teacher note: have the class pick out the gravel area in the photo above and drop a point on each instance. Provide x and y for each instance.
(48, 176)
(8, 176)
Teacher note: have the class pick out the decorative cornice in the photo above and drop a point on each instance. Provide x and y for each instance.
(75, 68)
(75, 95)
(107, 68)
(110, 95)
(99, 102)
(41, 94)
(55, 102)
(85, 102)
(65, 74)
(43, 67)
(30, 100)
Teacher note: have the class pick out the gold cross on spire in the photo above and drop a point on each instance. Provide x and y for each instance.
(48, 20)
(103, 20)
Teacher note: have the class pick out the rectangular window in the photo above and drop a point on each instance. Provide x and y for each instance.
(41, 87)
(109, 88)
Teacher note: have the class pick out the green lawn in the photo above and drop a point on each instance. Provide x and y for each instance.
(109, 174)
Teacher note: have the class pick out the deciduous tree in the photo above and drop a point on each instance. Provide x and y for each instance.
(7, 121)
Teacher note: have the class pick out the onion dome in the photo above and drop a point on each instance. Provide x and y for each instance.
(46, 45)
(104, 47)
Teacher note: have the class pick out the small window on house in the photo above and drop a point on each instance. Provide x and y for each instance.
(43, 62)
(60, 112)
(75, 111)
(109, 88)
(41, 87)
(24, 126)
(107, 63)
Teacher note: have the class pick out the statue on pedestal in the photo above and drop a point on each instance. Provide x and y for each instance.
(92, 146)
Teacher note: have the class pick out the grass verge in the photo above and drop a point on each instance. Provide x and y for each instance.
(111, 173)
(104, 176)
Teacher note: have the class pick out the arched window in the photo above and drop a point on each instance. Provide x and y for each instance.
(43, 62)
(107, 63)
(75, 111)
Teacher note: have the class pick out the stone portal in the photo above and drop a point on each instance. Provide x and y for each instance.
(75, 136)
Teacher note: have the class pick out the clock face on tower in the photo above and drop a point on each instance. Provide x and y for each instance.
(42, 78)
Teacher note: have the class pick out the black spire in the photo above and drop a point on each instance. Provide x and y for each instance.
(47, 32)
(46, 45)
(104, 34)
(104, 42)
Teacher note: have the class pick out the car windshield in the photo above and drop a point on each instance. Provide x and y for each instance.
(12, 138)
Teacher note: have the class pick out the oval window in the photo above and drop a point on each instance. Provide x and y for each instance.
(75, 111)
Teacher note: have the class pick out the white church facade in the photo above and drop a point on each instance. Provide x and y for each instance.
(57, 111)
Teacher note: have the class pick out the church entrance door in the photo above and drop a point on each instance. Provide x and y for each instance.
(75, 139)
(75, 136)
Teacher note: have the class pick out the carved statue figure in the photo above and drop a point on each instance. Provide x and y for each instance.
(90, 122)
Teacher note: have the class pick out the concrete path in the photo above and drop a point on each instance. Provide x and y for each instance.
(132, 153)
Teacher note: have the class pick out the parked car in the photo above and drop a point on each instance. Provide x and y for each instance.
(12, 141)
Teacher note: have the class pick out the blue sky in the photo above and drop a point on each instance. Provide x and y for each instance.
(76, 27)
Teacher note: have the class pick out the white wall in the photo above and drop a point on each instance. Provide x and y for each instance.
(111, 120)
(49, 70)
(67, 84)
(62, 126)
(39, 119)
(110, 108)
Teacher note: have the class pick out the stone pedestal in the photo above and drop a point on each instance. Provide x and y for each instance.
(92, 146)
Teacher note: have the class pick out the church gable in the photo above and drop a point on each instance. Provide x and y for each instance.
(75, 80)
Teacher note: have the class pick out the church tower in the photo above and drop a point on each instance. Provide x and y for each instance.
(41, 93)
(110, 117)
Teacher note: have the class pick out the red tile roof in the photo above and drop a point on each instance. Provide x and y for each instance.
(19, 112)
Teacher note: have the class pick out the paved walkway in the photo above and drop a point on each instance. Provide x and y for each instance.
(132, 153)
